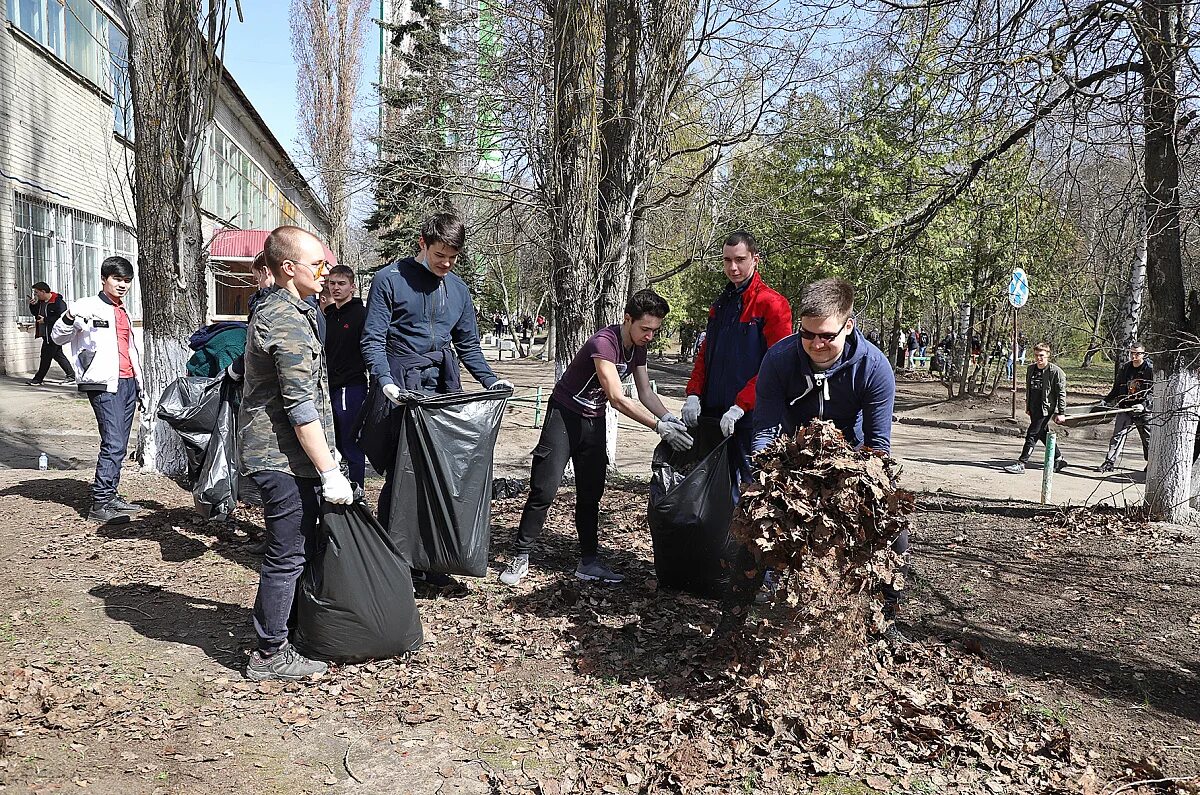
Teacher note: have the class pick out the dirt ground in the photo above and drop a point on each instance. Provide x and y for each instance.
(121, 648)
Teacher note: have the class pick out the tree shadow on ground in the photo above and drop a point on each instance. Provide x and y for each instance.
(162, 524)
(219, 629)
(1140, 684)
(158, 522)
(69, 492)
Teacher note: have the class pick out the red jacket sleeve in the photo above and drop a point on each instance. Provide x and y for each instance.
(695, 384)
(777, 324)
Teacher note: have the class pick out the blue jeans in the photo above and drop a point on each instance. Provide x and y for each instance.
(114, 416)
(291, 506)
(347, 403)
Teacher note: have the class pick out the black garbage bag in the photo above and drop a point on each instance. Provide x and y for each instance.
(355, 600)
(442, 489)
(216, 488)
(691, 504)
(191, 406)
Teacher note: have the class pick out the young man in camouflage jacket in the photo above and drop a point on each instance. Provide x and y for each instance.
(286, 441)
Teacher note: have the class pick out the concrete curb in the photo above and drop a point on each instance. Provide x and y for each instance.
(951, 425)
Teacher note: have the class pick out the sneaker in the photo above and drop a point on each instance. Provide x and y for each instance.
(31, 382)
(287, 663)
(107, 513)
(518, 567)
(68, 382)
(767, 592)
(126, 507)
(432, 578)
(597, 571)
(1107, 466)
(1016, 468)
(1060, 465)
(895, 637)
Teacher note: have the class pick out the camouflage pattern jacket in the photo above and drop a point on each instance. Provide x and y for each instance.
(285, 385)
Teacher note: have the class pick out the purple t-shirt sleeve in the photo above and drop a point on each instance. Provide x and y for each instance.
(603, 345)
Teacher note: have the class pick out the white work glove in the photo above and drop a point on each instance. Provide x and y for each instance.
(730, 418)
(394, 394)
(335, 488)
(691, 411)
(231, 374)
(502, 383)
(673, 432)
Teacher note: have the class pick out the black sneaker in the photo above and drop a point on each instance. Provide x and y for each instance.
(431, 578)
(33, 383)
(127, 507)
(1060, 465)
(287, 664)
(107, 513)
(1107, 466)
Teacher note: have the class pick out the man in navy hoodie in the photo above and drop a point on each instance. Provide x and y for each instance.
(420, 324)
(826, 371)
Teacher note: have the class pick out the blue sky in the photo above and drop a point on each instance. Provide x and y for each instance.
(258, 52)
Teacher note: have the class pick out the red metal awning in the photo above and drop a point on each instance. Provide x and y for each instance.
(245, 244)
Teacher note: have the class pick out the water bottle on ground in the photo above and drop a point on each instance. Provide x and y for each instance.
(43, 461)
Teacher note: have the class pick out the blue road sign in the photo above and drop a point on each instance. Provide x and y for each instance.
(1018, 288)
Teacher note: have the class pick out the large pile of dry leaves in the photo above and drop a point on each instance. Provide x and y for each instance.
(824, 516)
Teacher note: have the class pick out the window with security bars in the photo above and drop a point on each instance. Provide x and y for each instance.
(64, 248)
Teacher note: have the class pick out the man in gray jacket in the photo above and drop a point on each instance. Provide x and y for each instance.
(1045, 400)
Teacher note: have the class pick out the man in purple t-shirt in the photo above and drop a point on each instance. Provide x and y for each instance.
(574, 430)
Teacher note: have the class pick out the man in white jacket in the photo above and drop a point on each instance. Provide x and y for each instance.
(99, 338)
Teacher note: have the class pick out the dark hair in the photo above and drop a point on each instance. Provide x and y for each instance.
(283, 244)
(116, 266)
(831, 297)
(445, 228)
(342, 270)
(1132, 346)
(742, 236)
(646, 302)
(45, 288)
(260, 262)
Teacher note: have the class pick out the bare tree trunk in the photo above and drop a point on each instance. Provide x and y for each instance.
(643, 66)
(968, 323)
(572, 177)
(1131, 307)
(1095, 344)
(639, 257)
(173, 90)
(1168, 475)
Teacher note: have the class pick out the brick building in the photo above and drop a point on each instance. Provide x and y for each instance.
(66, 142)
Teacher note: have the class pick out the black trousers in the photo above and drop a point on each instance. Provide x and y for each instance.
(53, 353)
(291, 508)
(566, 436)
(1039, 426)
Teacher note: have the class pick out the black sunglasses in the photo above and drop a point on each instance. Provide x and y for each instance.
(812, 335)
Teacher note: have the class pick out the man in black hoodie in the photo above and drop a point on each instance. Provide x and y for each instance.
(46, 307)
(344, 320)
(1134, 386)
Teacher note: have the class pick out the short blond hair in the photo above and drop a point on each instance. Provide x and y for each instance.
(1042, 346)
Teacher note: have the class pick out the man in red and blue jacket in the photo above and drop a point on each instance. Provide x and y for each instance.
(747, 318)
